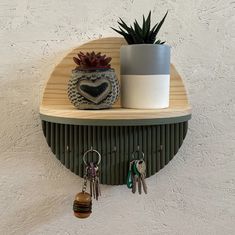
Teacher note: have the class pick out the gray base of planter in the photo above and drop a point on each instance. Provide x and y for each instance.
(115, 143)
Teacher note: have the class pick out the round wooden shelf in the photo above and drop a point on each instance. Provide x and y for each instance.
(114, 132)
(56, 106)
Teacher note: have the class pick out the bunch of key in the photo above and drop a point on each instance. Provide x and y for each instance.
(82, 205)
(136, 176)
(92, 170)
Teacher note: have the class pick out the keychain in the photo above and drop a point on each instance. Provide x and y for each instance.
(136, 174)
(82, 205)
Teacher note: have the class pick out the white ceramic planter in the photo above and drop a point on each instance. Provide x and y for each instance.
(145, 76)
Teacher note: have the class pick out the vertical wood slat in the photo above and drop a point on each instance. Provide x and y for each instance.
(111, 156)
(94, 143)
(103, 151)
(80, 142)
(121, 156)
(162, 142)
(90, 155)
(148, 150)
(57, 141)
(52, 137)
(66, 145)
(158, 148)
(144, 148)
(98, 141)
(172, 141)
(48, 133)
(176, 138)
(181, 133)
(76, 146)
(167, 143)
(185, 128)
(154, 150)
(62, 144)
(108, 162)
(85, 146)
(117, 157)
(114, 164)
(126, 153)
(71, 147)
(131, 142)
(44, 127)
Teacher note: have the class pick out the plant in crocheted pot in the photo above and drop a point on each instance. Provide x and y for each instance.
(93, 84)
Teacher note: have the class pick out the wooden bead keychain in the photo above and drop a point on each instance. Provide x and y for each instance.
(82, 205)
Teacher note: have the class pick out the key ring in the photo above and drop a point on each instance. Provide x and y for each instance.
(91, 150)
(136, 151)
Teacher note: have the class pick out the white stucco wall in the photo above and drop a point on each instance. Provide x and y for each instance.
(194, 194)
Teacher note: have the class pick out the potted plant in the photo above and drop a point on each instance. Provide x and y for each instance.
(93, 84)
(145, 66)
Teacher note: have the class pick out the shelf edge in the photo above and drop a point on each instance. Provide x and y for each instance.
(115, 122)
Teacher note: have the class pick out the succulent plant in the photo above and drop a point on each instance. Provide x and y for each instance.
(139, 35)
(92, 61)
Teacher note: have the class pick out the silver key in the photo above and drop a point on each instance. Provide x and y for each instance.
(137, 181)
(97, 183)
(136, 172)
(139, 185)
(93, 177)
(141, 167)
(134, 180)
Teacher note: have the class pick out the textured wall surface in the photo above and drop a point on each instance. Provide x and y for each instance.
(194, 194)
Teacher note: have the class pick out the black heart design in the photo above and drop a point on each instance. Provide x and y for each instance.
(95, 91)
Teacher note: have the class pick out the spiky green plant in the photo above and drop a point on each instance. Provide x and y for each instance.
(138, 35)
(90, 61)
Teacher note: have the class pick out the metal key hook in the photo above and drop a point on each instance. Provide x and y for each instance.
(138, 151)
(91, 150)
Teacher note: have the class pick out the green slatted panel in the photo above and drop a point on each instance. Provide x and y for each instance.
(159, 143)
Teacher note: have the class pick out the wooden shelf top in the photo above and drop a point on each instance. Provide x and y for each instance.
(56, 106)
